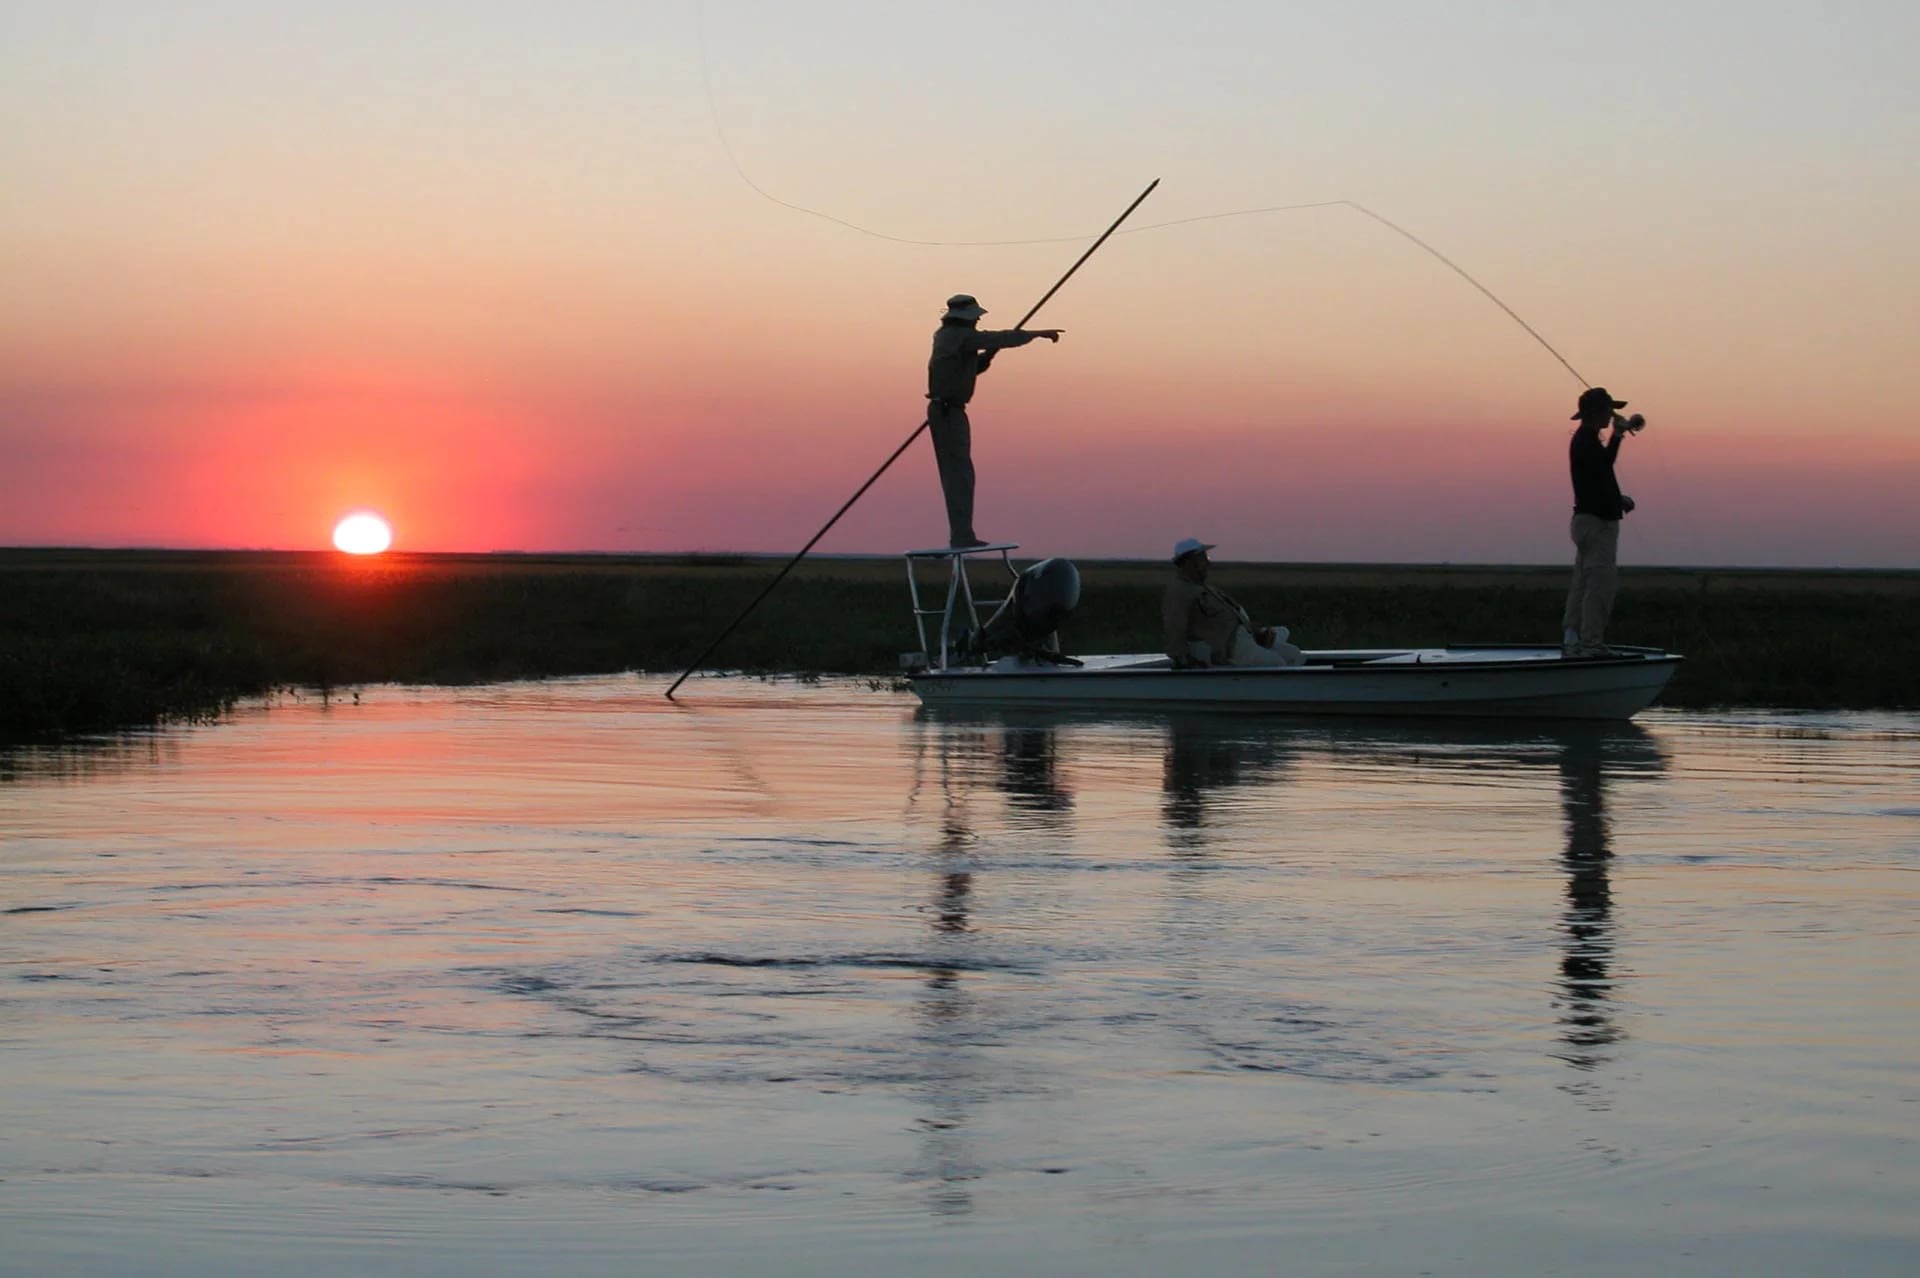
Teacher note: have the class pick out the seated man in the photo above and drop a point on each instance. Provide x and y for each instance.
(1205, 627)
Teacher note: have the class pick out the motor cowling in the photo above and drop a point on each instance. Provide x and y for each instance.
(1044, 596)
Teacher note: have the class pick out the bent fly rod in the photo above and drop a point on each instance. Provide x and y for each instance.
(895, 456)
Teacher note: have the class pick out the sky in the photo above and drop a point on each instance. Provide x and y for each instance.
(501, 273)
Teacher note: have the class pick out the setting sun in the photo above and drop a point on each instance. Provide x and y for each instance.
(362, 534)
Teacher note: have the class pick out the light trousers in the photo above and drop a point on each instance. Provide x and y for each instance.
(1596, 549)
(1247, 651)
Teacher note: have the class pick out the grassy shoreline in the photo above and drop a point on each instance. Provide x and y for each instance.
(101, 640)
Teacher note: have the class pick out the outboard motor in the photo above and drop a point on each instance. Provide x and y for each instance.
(1043, 597)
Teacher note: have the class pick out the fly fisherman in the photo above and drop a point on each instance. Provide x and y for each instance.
(961, 352)
(1598, 508)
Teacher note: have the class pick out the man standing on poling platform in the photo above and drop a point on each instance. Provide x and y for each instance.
(961, 352)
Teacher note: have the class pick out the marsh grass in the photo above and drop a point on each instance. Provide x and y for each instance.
(93, 641)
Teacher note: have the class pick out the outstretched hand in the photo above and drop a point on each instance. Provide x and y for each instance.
(1051, 334)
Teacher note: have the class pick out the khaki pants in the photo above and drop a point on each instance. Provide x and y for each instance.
(953, 453)
(1596, 547)
(1248, 652)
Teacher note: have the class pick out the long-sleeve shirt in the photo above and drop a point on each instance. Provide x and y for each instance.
(1193, 610)
(960, 353)
(1595, 490)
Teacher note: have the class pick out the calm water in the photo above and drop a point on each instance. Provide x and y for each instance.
(794, 979)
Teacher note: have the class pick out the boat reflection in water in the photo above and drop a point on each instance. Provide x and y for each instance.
(1205, 757)
(965, 765)
(1229, 787)
(1589, 763)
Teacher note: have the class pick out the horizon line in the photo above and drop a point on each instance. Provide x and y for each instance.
(779, 555)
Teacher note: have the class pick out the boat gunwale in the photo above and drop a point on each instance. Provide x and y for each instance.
(1356, 667)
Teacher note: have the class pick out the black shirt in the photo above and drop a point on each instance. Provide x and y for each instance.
(1595, 490)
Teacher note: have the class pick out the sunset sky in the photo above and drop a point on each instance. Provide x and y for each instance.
(488, 268)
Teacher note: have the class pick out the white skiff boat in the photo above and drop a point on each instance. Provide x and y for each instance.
(1010, 660)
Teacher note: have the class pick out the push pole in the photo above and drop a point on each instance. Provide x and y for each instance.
(895, 456)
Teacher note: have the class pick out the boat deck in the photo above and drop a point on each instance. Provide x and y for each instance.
(1476, 655)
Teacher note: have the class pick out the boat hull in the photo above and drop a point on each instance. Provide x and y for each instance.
(1481, 682)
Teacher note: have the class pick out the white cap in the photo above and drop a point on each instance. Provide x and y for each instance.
(1187, 545)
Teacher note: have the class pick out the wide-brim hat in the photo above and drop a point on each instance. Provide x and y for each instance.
(963, 306)
(1595, 397)
(1189, 546)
